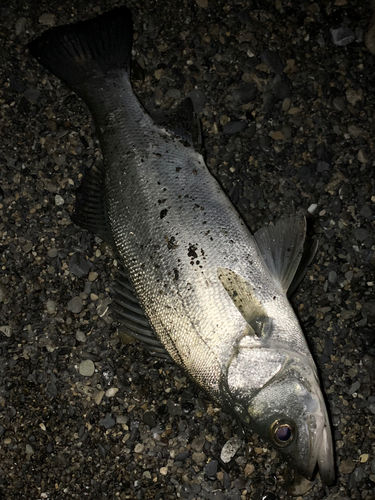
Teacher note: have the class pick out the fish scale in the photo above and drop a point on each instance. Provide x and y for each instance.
(195, 282)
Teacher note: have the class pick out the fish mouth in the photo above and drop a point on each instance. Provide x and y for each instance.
(323, 458)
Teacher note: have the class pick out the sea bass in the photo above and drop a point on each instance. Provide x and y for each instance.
(195, 283)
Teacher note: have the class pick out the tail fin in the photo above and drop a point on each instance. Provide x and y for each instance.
(77, 52)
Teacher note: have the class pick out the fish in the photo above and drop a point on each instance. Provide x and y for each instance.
(194, 283)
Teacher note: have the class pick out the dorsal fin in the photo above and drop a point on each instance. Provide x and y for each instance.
(281, 246)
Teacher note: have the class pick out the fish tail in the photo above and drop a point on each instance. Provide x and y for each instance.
(78, 52)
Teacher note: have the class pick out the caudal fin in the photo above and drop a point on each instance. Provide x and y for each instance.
(78, 52)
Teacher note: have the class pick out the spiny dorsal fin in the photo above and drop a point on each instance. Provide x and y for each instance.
(246, 302)
(281, 246)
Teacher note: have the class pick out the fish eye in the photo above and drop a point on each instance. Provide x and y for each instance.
(282, 432)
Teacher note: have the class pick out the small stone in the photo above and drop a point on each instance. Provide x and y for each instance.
(202, 3)
(52, 253)
(332, 276)
(111, 392)
(199, 100)
(150, 418)
(342, 36)
(286, 104)
(47, 19)
(354, 387)
(353, 96)
(339, 103)
(230, 449)
(211, 468)
(80, 336)
(93, 275)
(87, 368)
(360, 234)
(273, 61)
(75, 305)
(108, 422)
(59, 200)
(362, 157)
(6, 330)
(20, 25)
(50, 306)
(32, 95)
(198, 457)
(234, 127)
(139, 447)
(249, 469)
(163, 471)
(26, 248)
(98, 397)
(347, 466)
(3, 293)
(198, 443)
(29, 450)
(79, 265)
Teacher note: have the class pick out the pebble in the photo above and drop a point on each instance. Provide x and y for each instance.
(50, 306)
(87, 368)
(198, 457)
(347, 466)
(150, 418)
(29, 450)
(108, 422)
(342, 36)
(211, 468)
(234, 127)
(273, 61)
(93, 275)
(198, 443)
(111, 392)
(80, 336)
(79, 265)
(75, 305)
(20, 25)
(32, 95)
(230, 449)
(47, 19)
(360, 234)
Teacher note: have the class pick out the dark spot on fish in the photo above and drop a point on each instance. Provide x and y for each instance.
(171, 242)
(192, 251)
(178, 169)
(162, 201)
(197, 262)
(163, 213)
(274, 298)
(195, 172)
(202, 251)
(176, 273)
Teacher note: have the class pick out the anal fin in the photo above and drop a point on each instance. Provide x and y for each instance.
(91, 205)
(126, 310)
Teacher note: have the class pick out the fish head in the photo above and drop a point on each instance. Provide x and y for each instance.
(277, 394)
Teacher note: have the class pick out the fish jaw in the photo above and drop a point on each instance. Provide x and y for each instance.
(290, 398)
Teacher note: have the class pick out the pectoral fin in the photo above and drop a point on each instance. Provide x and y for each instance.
(244, 299)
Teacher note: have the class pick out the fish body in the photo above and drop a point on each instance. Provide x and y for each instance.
(196, 283)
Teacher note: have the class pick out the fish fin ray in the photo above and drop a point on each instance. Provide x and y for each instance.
(91, 208)
(126, 310)
(187, 124)
(77, 52)
(281, 246)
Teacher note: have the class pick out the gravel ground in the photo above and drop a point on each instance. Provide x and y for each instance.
(285, 93)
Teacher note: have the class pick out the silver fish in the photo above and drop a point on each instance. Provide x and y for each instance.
(196, 283)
